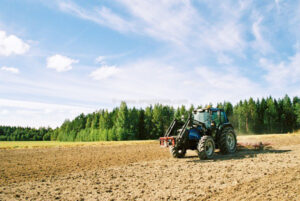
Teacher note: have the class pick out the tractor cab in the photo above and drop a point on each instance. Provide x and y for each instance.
(211, 117)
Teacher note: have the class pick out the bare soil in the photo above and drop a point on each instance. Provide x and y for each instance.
(147, 172)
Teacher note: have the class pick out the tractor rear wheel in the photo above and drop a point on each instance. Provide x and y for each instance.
(206, 147)
(227, 141)
(177, 152)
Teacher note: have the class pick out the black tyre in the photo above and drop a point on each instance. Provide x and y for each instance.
(177, 152)
(206, 147)
(227, 141)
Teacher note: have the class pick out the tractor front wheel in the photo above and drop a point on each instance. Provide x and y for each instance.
(227, 141)
(177, 152)
(206, 147)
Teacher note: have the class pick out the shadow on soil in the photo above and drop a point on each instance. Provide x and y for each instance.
(240, 154)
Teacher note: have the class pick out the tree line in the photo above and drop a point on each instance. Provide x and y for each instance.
(12, 133)
(266, 115)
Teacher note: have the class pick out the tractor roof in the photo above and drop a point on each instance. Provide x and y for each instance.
(207, 109)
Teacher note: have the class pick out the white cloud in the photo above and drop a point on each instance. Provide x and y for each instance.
(11, 44)
(4, 112)
(104, 72)
(224, 59)
(283, 75)
(10, 69)
(39, 105)
(277, 2)
(225, 84)
(36, 114)
(60, 63)
(100, 59)
(157, 81)
(230, 80)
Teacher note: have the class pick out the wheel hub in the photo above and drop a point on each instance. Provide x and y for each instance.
(209, 148)
(230, 141)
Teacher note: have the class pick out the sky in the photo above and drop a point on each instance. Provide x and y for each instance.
(61, 58)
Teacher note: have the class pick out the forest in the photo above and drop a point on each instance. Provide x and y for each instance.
(266, 115)
(12, 133)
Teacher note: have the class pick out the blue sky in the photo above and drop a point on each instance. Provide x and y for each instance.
(61, 58)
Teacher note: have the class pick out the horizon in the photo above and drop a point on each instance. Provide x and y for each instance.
(59, 59)
(176, 107)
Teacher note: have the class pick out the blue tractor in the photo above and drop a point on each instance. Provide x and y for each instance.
(203, 131)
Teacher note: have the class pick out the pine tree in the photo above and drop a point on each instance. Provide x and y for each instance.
(133, 124)
(191, 109)
(157, 120)
(288, 115)
(105, 121)
(252, 115)
(228, 108)
(297, 112)
(183, 112)
(88, 121)
(148, 122)
(270, 114)
(122, 123)
(177, 113)
(141, 125)
(95, 121)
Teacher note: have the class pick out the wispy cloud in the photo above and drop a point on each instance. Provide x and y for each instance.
(177, 22)
(283, 75)
(260, 44)
(224, 59)
(102, 16)
(104, 72)
(100, 59)
(11, 44)
(10, 69)
(103, 59)
(224, 37)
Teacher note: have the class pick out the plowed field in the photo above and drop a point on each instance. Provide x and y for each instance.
(144, 171)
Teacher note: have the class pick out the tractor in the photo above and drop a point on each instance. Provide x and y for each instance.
(204, 131)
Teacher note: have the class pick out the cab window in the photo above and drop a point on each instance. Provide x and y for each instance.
(223, 117)
(215, 118)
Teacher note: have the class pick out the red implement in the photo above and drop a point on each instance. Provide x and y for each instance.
(165, 141)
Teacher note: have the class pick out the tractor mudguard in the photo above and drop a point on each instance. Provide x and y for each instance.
(225, 125)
